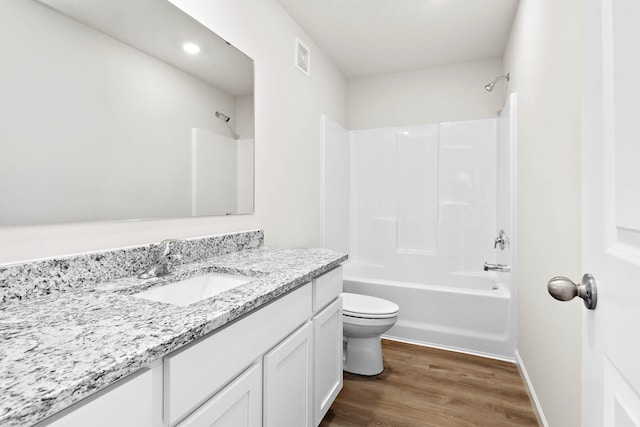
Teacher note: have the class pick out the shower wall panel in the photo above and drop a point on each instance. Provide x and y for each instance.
(374, 194)
(423, 200)
(417, 187)
(506, 155)
(213, 173)
(467, 193)
(245, 166)
(336, 173)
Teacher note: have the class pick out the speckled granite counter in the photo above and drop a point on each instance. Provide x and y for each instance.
(58, 349)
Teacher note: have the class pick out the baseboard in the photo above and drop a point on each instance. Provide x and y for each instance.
(542, 421)
(448, 348)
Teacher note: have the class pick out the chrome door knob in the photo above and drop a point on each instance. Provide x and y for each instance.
(563, 289)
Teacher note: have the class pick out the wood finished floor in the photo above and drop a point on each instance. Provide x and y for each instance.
(423, 386)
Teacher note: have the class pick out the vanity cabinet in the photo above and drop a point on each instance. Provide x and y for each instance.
(302, 373)
(279, 366)
(195, 373)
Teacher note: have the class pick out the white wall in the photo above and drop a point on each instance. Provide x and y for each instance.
(543, 57)
(288, 145)
(288, 109)
(438, 94)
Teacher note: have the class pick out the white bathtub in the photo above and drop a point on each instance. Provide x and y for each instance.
(472, 313)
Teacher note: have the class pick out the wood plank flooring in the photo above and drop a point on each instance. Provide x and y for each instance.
(423, 386)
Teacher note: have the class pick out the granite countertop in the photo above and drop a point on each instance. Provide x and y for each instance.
(58, 349)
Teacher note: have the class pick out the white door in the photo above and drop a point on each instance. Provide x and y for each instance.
(611, 211)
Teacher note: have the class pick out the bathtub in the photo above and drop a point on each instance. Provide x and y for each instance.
(472, 313)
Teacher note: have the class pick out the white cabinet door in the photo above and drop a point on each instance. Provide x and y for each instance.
(327, 360)
(287, 381)
(237, 405)
(127, 403)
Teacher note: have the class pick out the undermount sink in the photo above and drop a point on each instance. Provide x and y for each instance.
(194, 289)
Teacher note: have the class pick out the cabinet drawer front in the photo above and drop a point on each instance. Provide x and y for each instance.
(195, 373)
(326, 288)
(127, 403)
(238, 405)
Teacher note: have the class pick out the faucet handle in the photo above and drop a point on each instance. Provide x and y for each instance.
(174, 257)
(165, 246)
(163, 255)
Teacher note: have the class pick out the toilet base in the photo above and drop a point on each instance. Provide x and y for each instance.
(363, 356)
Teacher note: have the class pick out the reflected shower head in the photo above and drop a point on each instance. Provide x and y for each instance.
(222, 117)
(226, 119)
(489, 86)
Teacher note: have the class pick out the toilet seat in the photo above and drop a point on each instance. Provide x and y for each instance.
(367, 307)
(369, 322)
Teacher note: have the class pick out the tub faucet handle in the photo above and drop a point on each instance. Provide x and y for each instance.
(502, 240)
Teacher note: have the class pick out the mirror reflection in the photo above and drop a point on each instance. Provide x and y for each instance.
(112, 110)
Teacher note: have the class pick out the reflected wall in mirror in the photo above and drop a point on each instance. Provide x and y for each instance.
(105, 116)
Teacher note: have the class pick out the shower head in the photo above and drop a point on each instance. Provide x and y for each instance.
(222, 117)
(489, 86)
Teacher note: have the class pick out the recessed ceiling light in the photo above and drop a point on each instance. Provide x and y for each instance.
(191, 48)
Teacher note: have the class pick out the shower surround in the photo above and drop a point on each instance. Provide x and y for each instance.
(418, 209)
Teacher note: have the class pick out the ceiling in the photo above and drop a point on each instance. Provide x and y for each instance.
(371, 37)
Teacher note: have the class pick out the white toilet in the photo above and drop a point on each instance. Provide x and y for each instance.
(364, 319)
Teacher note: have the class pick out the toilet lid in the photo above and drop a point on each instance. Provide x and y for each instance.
(357, 305)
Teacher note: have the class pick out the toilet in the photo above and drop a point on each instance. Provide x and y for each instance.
(364, 319)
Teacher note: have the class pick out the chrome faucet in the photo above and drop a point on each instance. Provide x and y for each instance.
(501, 240)
(503, 268)
(161, 264)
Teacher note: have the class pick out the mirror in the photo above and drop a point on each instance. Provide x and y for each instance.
(106, 113)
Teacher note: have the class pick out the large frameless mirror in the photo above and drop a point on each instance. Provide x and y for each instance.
(119, 110)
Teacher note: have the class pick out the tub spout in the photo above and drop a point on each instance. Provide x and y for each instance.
(503, 268)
